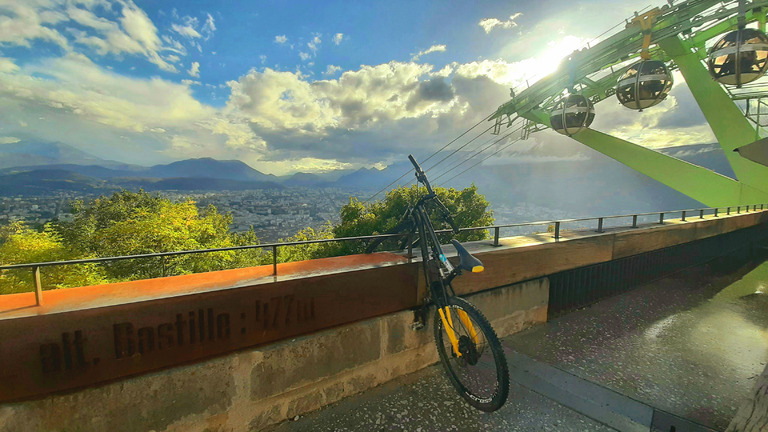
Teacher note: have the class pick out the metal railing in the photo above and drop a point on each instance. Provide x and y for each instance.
(556, 224)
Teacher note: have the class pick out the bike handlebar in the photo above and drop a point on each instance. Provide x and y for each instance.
(421, 176)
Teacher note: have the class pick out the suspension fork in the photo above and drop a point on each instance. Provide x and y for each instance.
(446, 317)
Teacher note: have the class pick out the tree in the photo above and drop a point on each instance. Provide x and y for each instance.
(20, 245)
(307, 251)
(467, 206)
(129, 223)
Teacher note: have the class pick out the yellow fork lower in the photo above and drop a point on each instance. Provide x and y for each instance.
(448, 325)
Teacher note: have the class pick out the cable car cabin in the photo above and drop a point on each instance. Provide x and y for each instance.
(739, 57)
(644, 84)
(572, 114)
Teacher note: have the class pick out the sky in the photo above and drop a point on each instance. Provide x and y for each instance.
(289, 86)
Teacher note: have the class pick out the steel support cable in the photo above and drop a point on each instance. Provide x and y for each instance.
(429, 157)
(461, 147)
(480, 151)
(483, 160)
(481, 145)
(458, 137)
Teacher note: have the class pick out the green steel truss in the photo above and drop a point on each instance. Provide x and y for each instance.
(679, 33)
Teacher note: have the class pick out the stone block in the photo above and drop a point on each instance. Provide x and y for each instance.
(303, 360)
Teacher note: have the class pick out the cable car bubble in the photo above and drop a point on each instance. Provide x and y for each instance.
(571, 114)
(739, 57)
(644, 84)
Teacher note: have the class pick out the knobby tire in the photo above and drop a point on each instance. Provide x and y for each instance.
(490, 366)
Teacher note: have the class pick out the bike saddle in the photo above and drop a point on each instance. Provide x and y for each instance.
(466, 260)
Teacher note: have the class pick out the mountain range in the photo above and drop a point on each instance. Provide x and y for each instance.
(584, 183)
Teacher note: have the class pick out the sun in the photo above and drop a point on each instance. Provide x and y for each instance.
(555, 52)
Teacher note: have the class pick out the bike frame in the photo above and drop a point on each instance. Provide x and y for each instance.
(438, 271)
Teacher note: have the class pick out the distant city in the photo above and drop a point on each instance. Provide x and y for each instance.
(273, 214)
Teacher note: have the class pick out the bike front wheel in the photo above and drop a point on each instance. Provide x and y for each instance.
(472, 355)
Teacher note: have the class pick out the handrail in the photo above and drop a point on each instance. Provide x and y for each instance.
(557, 223)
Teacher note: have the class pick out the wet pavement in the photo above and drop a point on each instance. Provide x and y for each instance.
(690, 345)
(425, 401)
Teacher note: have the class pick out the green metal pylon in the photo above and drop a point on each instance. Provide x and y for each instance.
(704, 185)
(728, 123)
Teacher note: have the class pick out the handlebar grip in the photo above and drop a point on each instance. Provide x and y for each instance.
(415, 164)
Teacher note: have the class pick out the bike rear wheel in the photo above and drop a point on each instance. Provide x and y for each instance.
(479, 370)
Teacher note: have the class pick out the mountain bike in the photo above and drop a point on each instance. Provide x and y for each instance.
(467, 345)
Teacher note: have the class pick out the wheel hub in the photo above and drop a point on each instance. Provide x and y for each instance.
(468, 350)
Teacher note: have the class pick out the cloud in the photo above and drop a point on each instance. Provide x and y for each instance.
(79, 86)
(194, 70)
(22, 22)
(7, 65)
(9, 140)
(330, 70)
(104, 27)
(281, 39)
(372, 104)
(140, 29)
(209, 27)
(489, 24)
(433, 48)
(186, 31)
(337, 38)
(188, 27)
(314, 44)
(305, 56)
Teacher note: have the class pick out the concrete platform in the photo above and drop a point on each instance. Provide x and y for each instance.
(685, 350)
(691, 345)
(425, 401)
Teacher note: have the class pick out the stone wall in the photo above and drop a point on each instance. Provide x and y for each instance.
(257, 387)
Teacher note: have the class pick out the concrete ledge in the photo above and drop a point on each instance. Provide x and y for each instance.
(252, 389)
(529, 257)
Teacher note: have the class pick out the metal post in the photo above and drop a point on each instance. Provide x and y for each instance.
(38, 286)
(634, 221)
(557, 230)
(274, 260)
(410, 250)
(496, 236)
(728, 211)
(661, 218)
(683, 215)
(600, 225)
(738, 209)
(701, 214)
(715, 211)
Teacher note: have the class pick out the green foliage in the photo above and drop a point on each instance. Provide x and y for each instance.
(134, 223)
(129, 223)
(20, 245)
(308, 251)
(469, 209)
